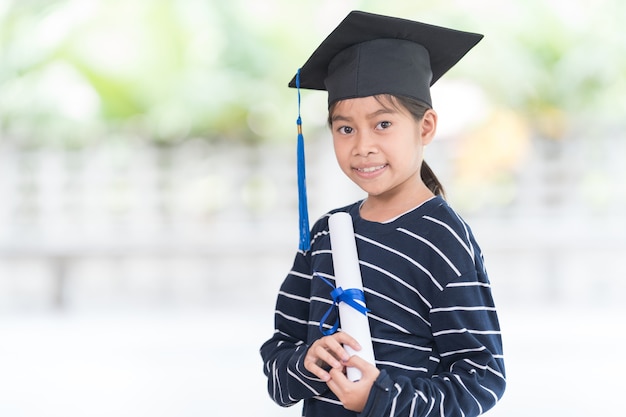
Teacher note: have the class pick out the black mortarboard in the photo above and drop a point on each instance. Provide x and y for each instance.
(370, 54)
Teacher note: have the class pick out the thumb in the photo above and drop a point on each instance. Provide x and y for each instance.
(358, 362)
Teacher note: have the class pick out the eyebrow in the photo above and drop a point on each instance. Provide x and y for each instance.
(338, 117)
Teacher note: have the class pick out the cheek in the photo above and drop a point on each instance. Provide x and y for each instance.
(342, 154)
(340, 148)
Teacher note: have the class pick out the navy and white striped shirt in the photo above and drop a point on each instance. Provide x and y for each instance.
(432, 319)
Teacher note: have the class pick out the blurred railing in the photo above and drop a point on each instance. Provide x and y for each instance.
(202, 223)
(69, 215)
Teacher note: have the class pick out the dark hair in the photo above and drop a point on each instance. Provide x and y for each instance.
(417, 109)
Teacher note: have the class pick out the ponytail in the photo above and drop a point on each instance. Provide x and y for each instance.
(431, 180)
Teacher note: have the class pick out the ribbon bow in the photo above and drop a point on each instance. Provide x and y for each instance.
(351, 296)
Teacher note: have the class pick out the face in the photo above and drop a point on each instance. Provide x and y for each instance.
(379, 146)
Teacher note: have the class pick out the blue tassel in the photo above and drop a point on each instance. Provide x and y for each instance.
(305, 233)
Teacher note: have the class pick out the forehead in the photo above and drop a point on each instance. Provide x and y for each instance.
(369, 104)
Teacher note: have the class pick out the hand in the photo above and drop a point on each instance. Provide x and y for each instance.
(353, 395)
(329, 352)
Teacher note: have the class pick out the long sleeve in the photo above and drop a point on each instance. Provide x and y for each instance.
(470, 376)
(283, 354)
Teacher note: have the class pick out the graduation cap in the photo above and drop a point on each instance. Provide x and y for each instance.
(369, 54)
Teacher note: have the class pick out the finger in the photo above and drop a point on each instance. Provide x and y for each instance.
(321, 352)
(339, 341)
(353, 395)
(314, 365)
(318, 372)
(368, 370)
(335, 346)
(337, 382)
(346, 339)
(358, 362)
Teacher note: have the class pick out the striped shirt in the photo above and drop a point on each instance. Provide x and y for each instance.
(432, 318)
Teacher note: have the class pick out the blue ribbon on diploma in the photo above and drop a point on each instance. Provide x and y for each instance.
(350, 296)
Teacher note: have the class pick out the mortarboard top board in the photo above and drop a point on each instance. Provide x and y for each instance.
(369, 54)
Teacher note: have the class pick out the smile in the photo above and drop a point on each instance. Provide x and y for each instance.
(371, 169)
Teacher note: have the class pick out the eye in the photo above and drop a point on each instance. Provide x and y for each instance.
(383, 125)
(345, 130)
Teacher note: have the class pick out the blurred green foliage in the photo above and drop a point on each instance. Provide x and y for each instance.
(72, 71)
(560, 64)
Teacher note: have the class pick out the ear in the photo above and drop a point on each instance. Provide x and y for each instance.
(429, 126)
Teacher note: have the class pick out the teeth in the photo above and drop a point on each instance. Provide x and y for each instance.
(371, 169)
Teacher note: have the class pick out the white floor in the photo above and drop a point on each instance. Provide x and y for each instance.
(206, 363)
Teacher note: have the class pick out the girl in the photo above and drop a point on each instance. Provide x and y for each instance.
(435, 332)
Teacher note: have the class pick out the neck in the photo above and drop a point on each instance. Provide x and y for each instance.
(384, 208)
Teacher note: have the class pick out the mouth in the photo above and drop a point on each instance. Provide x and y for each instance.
(370, 170)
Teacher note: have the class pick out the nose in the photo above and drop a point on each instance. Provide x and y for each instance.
(365, 144)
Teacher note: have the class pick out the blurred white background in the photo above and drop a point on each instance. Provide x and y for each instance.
(149, 211)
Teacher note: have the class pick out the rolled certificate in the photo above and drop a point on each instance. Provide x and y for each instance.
(348, 276)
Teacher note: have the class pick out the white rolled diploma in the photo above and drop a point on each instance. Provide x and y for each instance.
(347, 276)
